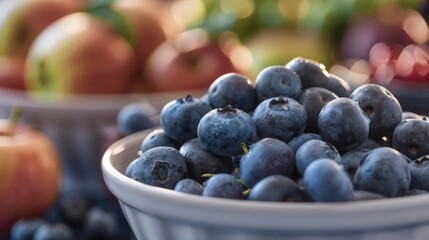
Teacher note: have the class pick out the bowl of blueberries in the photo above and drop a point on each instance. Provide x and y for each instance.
(294, 154)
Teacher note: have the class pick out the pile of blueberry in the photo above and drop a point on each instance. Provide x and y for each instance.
(298, 134)
(75, 217)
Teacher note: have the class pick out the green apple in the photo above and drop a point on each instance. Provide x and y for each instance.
(21, 21)
(79, 54)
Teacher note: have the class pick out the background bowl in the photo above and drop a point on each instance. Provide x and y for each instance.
(81, 127)
(161, 214)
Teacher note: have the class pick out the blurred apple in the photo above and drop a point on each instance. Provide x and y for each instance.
(79, 53)
(144, 23)
(22, 21)
(12, 73)
(30, 174)
(189, 61)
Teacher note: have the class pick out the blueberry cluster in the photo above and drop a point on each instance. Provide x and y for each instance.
(74, 217)
(298, 134)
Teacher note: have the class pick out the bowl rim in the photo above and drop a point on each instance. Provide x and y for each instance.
(368, 215)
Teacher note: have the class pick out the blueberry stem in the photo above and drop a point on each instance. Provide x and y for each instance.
(246, 193)
(207, 175)
(244, 147)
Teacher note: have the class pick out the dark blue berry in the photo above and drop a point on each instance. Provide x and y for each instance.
(419, 169)
(188, 185)
(133, 118)
(276, 188)
(157, 138)
(411, 137)
(53, 231)
(311, 72)
(297, 141)
(223, 185)
(101, 225)
(24, 229)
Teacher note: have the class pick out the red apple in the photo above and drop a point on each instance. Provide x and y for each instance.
(79, 54)
(189, 61)
(30, 174)
(12, 72)
(145, 24)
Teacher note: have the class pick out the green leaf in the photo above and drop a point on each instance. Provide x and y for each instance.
(115, 19)
(98, 3)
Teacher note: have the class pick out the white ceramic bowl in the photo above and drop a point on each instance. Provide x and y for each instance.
(80, 125)
(161, 214)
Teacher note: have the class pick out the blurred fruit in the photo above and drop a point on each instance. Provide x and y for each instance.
(30, 174)
(189, 61)
(22, 21)
(145, 25)
(79, 53)
(12, 73)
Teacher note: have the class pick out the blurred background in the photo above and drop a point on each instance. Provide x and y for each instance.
(72, 65)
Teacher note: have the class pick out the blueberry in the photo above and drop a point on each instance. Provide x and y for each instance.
(129, 169)
(311, 72)
(360, 195)
(160, 166)
(53, 231)
(73, 207)
(383, 171)
(411, 137)
(179, 118)
(24, 229)
(101, 225)
(419, 169)
(338, 86)
(201, 161)
(279, 117)
(313, 150)
(326, 181)
(266, 157)
(223, 185)
(297, 141)
(382, 108)
(351, 160)
(342, 123)
(232, 89)
(222, 131)
(276, 81)
(276, 188)
(313, 100)
(157, 138)
(133, 118)
(188, 185)
(415, 192)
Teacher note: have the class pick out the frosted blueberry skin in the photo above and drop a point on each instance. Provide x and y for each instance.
(351, 160)
(266, 157)
(381, 107)
(158, 138)
(342, 123)
(338, 86)
(161, 167)
(326, 181)
(201, 161)
(223, 130)
(313, 150)
(383, 171)
(129, 169)
(188, 185)
(179, 118)
(419, 169)
(57, 231)
(276, 188)
(275, 81)
(279, 117)
(311, 73)
(232, 89)
(411, 137)
(297, 141)
(313, 100)
(223, 185)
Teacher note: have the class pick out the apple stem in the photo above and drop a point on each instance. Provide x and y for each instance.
(13, 120)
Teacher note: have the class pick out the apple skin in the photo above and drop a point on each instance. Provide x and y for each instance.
(145, 25)
(22, 21)
(187, 62)
(12, 73)
(30, 175)
(79, 54)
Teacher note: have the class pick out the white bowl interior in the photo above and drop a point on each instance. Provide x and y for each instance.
(143, 203)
